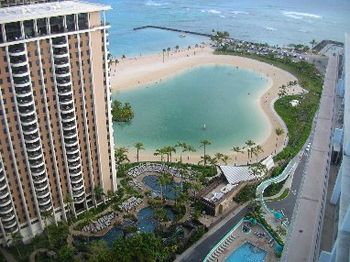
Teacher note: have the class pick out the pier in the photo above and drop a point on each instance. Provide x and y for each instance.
(171, 29)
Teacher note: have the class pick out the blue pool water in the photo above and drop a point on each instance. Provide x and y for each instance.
(247, 253)
(113, 234)
(168, 191)
(146, 222)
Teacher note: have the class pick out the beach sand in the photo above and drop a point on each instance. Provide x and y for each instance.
(136, 72)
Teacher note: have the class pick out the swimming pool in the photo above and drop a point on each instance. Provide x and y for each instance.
(247, 253)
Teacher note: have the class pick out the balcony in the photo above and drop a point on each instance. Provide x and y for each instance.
(5, 202)
(38, 170)
(77, 179)
(36, 162)
(59, 40)
(68, 116)
(45, 202)
(7, 218)
(72, 159)
(79, 200)
(18, 60)
(39, 180)
(78, 190)
(34, 155)
(16, 48)
(32, 137)
(41, 187)
(5, 193)
(33, 146)
(23, 91)
(62, 61)
(41, 194)
(19, 81)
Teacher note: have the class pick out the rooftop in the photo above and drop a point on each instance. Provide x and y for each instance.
(35, 11)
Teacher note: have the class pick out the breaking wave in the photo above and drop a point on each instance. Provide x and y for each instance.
(300, 15)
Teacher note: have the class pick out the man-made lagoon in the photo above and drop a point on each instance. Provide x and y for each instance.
(215, 102)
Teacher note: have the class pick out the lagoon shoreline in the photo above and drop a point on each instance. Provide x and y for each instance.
(137, 72)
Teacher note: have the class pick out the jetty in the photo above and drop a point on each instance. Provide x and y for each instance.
(171, 29)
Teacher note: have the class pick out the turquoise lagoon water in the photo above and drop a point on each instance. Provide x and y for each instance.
(273, 21)
(247, 253)
(222, 97)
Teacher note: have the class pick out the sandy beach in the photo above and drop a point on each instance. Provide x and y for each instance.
(136, 72)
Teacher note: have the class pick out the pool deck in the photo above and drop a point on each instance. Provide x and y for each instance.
(251, 237)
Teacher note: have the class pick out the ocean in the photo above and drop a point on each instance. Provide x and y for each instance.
(277, 22)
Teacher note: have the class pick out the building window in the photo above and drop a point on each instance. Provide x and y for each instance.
(42, 26)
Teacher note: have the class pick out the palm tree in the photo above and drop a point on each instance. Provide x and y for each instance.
(70, 203)
(183, 146)
(225, 158)
(221, 157)
(207, 159)
(121, 155)
(189, 149)
(279, 131)
(47, 215)
(204, 144)
(250, 143)
(17, 241)
(160, 152)
(163, 53)
(98, 192)
(169, 151)
(237, 150)
(168, 50)
(139, 146)
(164, 180)
(313, 43)
(257, 150)
(258, 169)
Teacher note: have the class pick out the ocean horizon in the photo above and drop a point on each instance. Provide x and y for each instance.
(275, 22)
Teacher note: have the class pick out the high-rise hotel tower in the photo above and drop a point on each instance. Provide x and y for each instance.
(56, 136)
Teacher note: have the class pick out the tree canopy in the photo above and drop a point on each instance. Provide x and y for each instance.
(122, 113)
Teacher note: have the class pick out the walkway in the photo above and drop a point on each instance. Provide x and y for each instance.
(199, 250)
(304, 235)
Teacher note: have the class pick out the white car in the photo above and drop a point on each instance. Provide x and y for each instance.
(308, 147)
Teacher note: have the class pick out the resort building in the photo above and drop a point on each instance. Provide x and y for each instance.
(341, 193)
(309, 229)
(56, 139)
(217, 198)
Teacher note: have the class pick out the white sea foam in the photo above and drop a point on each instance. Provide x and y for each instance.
(153, 3)
(222, 16)
(211, 11)
(239, 12)
(300, 15)
(269, 28)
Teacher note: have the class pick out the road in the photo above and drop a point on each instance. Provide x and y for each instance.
(287, 205)
(199, 252)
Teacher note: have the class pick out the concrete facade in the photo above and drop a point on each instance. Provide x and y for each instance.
(56, 139)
